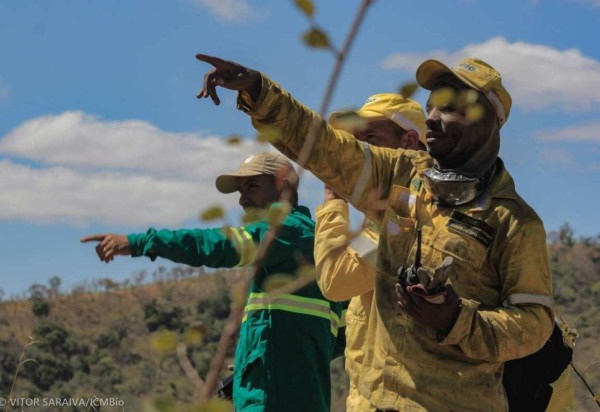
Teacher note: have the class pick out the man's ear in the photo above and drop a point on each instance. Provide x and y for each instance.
(410, 140)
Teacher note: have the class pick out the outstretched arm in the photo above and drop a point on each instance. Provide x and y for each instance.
(356, 171)
(194, 247)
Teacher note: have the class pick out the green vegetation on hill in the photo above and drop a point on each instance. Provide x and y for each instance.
(115, 340)
(115, 344)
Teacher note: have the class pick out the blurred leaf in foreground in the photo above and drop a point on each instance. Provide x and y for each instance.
(277, 281)
(349, 120)
(269, 134)
(164, 342)
(212, 213)
(442, 97)
(278, 212)
(316, 38)
(474, 113)
(408, 89)
(306, 6)
(253, 215)
(234, 139)
(195, 333)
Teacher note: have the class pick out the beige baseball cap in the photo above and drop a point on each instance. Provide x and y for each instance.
(406, 113)
(474, 73)
(267, 163)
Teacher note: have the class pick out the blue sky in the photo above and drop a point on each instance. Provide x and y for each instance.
(100, 130)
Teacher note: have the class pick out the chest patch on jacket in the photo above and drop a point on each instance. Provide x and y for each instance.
(474, 228)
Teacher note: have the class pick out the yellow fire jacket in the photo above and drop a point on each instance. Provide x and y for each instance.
(346, 270)
(500, 270)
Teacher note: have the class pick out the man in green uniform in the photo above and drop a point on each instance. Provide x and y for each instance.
(458, 206)
(287, 341)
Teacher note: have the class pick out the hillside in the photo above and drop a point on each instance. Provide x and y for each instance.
(115, 344)
(119, 341)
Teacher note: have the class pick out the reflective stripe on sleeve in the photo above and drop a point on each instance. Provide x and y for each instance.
(295, 304)
(363, 178)
(366, 248)
(244, 244)
(525, 298)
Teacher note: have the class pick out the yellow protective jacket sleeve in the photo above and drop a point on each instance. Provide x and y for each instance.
(346, 270)
(500, 270)
(345, 265)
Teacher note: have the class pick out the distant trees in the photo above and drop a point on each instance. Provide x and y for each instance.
(54, 282)
(52, 355)
(161, 316)
(40, 307)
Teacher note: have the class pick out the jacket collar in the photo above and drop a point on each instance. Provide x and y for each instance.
(502, 185)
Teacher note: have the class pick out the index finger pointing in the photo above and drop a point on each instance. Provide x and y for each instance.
(92, 238)
(215, 61)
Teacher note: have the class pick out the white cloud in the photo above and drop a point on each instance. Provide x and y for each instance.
(62, 195)
(589, 132)
(537, 76)
(78, 170)
(556, 157)
(75, 139)
(228, 10)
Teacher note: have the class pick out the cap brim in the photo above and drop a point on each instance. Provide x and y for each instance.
(229, 183)
(430, 71)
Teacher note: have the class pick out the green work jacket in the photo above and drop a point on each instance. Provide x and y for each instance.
(287, 341)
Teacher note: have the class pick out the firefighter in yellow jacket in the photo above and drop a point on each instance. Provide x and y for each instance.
(346, 265)
(458, 207)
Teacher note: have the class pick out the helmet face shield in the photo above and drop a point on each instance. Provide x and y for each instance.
(451, 188)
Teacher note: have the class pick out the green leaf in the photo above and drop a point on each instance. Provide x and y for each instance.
(408, 89)
(442, 97)
(474, 113)
(195, 333)
(316, 38)
(278, 212)
(253, 215)
(234, 139)
(212, 213)
(277, 281)
(269, 134)
(350, 121)
(164, 341)
(306, 6)
(216, 405)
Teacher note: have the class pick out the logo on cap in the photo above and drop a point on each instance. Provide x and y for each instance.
(466, 66)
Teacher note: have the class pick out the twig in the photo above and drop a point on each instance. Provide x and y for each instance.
(235, 318)
(188, 368)
(335, 74)
(21, 363)
(227, 338)
(594, 397)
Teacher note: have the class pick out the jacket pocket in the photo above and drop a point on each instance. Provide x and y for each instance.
(468, 256)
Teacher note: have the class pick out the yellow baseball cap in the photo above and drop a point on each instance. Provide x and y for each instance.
(474, 73)
(267, 163)
(405, 112)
